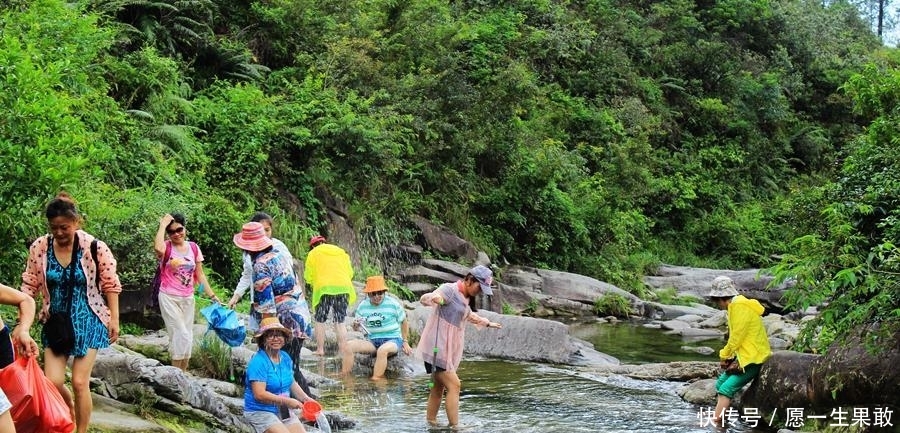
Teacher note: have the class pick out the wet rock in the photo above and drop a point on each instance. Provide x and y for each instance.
(700, 392)
(675, 325)
(675, 371)
(666, 311)
(111, 415)
(703, 350)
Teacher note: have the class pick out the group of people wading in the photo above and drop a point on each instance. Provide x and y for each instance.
(75, 276)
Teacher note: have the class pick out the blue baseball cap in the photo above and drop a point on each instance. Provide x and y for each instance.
(485, 277)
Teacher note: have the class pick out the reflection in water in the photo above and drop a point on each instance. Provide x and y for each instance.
(632, 343)
(501, 396)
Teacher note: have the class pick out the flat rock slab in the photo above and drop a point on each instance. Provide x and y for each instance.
(109, 416)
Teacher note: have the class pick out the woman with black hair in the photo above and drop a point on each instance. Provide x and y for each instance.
(274, 287)
(75, 275)
(181, 265)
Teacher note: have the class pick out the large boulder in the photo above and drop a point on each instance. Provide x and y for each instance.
(784, 381)
(129, 376)
(549, 293)
(862, 371)
(850, 374)
(521, 339)
(690, 281)
(444, 241)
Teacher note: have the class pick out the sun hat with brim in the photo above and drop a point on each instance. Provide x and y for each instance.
(252, 237)
(485, 277)
(375, 283)
(723, 287)
(272, 324)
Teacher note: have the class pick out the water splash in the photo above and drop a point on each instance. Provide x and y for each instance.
(322, 422)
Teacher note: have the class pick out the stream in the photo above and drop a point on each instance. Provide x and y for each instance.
(506, 396)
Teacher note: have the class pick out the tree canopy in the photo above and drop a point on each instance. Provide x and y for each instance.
(595, 136)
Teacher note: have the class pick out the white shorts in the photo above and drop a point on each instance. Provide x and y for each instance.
(5, 405)
(178, 315)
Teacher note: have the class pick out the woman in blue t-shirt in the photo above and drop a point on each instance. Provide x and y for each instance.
(271, 395)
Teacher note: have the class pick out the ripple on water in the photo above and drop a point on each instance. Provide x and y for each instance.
(501, 397)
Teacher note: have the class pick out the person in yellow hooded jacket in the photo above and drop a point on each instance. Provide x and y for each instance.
(748, 344)
(329, 272)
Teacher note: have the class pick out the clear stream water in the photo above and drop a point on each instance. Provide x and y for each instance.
(505, 396)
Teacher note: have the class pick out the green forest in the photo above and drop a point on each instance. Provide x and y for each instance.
(601, 137)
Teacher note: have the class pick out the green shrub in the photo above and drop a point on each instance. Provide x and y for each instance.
(669, 296)
(213, 358)
(508, 309)
(612, 304)
(131, 329)
(531, 307)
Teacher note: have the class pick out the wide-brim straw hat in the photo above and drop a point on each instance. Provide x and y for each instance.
(272, 324)
(723, 287)
(375, 283)
(252, 237)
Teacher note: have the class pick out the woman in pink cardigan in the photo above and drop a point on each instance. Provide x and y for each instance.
(76, 286)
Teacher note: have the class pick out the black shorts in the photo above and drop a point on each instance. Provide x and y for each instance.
(7, 353)
(429, 368)
(338, 306)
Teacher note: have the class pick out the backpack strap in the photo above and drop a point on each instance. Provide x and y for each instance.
(195, 252)
(167, 255)
(96, 263)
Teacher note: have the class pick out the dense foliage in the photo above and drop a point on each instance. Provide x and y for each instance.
(595, 136)
(850, 259)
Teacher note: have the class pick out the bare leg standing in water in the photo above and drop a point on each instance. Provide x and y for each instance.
(444, 381)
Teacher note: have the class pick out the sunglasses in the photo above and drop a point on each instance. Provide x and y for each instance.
(173, 231)
(275, 335)
(374, 294)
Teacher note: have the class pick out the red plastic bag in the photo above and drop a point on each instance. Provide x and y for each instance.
(16, 380)
(55, 414)
(37, 405)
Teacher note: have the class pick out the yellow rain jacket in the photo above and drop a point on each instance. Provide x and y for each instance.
(747, 336)
(329, 271)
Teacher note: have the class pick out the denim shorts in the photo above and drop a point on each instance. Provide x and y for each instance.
(261, 420)
(378, 342)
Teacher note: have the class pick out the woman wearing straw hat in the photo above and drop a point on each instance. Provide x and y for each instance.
(246, 279)
(383, 320)
(747, 345)
(271, 395)
(273, 287)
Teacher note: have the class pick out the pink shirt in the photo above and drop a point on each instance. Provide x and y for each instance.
(179, 274)
(442, 340)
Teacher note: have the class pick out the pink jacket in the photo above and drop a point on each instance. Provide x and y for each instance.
(34, 278)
